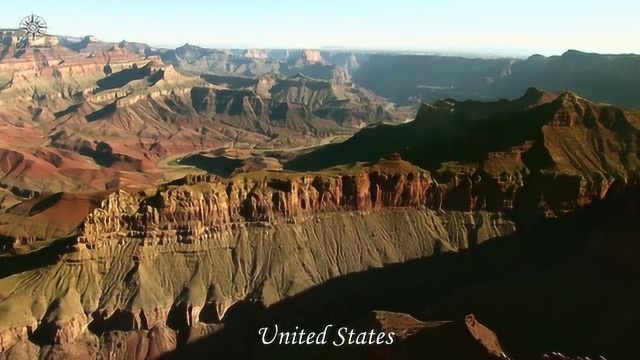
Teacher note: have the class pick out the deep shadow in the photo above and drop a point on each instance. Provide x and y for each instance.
(45, 203)
(122, 78)
(67, 111)
(41, 258)
(104, 112)
(219, 165)
(534, 289)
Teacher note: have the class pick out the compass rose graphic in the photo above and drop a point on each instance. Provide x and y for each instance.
(33, 26)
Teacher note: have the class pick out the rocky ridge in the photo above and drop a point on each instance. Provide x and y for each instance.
(606, 78)
(202, 223)
(567, 148)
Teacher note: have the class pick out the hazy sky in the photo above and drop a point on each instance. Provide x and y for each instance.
(507, 26)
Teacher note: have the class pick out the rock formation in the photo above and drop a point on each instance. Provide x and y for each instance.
(549, 143)
(255, 54)
(140, 261)
(169, 203)
(105, 114)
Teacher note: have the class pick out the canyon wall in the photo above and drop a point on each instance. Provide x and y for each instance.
(177, 258)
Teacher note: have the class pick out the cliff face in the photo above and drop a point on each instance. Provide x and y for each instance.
(254, 63)
(291, 102)
(565, 150)
(530, 288)
(54, 70)
(307, 57)
(184, 255)
(200, 208)
(180, 214)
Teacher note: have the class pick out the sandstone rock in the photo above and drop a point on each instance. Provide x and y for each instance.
(143, 261)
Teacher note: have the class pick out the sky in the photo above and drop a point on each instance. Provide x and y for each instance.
(515, 27)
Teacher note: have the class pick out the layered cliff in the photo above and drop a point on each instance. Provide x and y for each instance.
(184, 254)
(544, 292)
(254, 63)
(53, 70)
(568, 148)
(112, 128)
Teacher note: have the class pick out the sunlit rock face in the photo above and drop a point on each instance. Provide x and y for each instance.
(184, 255)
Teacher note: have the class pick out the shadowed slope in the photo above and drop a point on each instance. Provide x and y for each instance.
(568, 134)
(537, 300)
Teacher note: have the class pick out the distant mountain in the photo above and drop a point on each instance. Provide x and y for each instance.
(298, 103)
(613, 79)
(252, 62)
(568, 146)
(434, 126)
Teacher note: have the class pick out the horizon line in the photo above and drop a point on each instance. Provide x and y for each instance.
(487, 52)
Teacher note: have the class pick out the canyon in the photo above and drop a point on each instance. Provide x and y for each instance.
(168, 203)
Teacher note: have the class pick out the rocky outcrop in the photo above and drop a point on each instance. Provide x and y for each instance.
(253, 63)
(568, 149)
(460, 339)
(54, 62)
(255, 54)
(186, 254)
(295, 98)
(81, 94)
(308, 57)
(178, 214)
